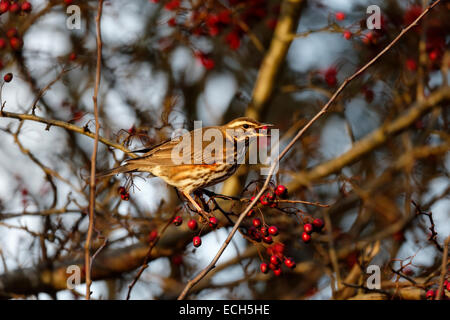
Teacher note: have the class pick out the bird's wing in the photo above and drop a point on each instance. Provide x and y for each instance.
(185, 151)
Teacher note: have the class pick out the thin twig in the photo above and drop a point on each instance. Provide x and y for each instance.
(324, 109)
(87, 247)
(444, 269)
(148, 256)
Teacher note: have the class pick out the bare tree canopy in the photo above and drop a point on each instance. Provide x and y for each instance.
(322, 169)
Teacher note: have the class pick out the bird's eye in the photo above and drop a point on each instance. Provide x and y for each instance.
(246, 126)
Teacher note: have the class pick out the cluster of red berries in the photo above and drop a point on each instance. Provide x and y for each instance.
(435, 39)
(431, 294)
(258, 232)
(123, 193)
(277, 256)
(308, 228)
(214, 20)
(15, 41)
(192, 224)
(14, 7)
(268, 199)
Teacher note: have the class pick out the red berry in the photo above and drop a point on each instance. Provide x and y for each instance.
(177, 260)
(340, 16)
(306, 237)
(347, 35)
(207, 62)
(430, 294)
(318, 224)
(273, 267)
(256, 222)
(73, 56)
(152, 236)
(4, 6)
(256, 236)
(273, 230)
(369, 38)
(250, 213)
(225, 16)
(212, 20)
(330, 76)
(171, 22)
(192, 224)
(275, 260)
(68, 2)
(279, 248)
(281, 191)
(447, 287)
(16, 43)
(268, 239)
(125, 196)
(2, 43)
(264, 267)
(233, 40)
(172, 5)
(368, 95)
(308, 228)
(14, 8)
(270, 196)
(11, 32)
(178, 220)
(213, 222)
(434, 55)
(8, 77)
(290, 263)
(264, 201)
(412, 14)
(277, 272)
(411, 65)
(26, 6)
(197, 241)
(121, 190)
(264, 231)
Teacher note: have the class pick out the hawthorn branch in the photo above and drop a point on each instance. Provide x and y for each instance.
(87, 247)
(65, 125)
(324, 109)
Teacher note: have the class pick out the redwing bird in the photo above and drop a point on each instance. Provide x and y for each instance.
(204, 163)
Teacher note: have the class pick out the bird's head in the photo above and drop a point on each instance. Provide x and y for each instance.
(244, 127)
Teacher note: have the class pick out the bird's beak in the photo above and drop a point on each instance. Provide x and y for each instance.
(265, 127)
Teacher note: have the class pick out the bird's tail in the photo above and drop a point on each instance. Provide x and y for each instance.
(126, 168)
